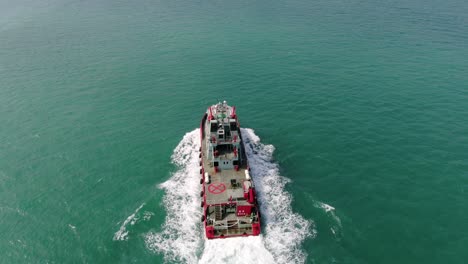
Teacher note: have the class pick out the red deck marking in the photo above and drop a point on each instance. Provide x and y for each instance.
(216, 188)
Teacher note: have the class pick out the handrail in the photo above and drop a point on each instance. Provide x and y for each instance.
(223, 224)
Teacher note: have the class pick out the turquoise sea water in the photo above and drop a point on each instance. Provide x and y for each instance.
(365, 104)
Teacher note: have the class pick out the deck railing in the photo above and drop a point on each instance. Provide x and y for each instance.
(230, 224)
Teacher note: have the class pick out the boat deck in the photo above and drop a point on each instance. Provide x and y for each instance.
(228, 209)
(224, 186)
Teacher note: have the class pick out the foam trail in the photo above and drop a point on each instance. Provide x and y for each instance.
(336, 227)
(236, 250)
(285, 230)
(122, 234)
(181, 239)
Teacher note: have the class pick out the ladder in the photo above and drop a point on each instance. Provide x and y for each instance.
(218, 212)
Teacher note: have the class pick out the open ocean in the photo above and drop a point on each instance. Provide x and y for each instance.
(355, 111)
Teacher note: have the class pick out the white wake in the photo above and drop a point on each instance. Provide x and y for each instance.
(122, 234)
(182, 239)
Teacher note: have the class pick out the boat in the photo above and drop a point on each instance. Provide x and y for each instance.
(229, 201)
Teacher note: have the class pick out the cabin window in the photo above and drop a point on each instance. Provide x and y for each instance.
(214, 127)
(235, 162)
(233, 126)
(216, 164)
